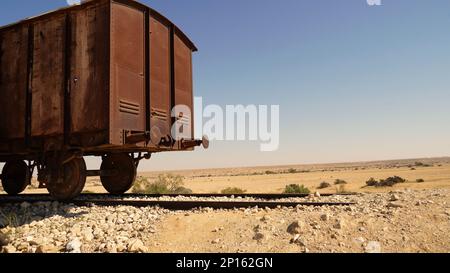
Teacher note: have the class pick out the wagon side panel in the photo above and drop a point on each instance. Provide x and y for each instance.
(48, 77)
(89, 80)
(160, 79)
(13, 82)
(127, 98)
(183, 83)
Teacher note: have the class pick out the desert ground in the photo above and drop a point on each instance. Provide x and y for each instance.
(409, 217)
(434, 171)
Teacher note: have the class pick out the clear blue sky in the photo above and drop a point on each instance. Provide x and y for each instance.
(353, 82)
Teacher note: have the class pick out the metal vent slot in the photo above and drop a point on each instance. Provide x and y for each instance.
(129, 107)
(159, 114)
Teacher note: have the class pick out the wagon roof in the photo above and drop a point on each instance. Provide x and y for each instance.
(88, 3)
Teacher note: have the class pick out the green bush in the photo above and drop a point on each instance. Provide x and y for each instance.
(233, 191)
(294, 188)
(164, 184)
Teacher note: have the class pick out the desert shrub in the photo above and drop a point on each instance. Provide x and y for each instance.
(270, 172)
(164, 184)
(388, 182)
(340, 182)
(292, 170)
(294, 188)
(182, 190)
(420, 164)
(420, 180)
(371, 182)
(324, 185)
(233, 191)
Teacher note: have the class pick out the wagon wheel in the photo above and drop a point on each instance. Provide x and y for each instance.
(71, 184)
(16, 177)
(124, 165)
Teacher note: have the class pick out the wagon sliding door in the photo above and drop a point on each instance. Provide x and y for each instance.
(127, 99)
(160, 80)
(47, 107)
(183, 84)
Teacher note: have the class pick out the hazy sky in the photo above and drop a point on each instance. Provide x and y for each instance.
(353, 82)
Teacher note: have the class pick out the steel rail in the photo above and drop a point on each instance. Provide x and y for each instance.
(265, 196)
(175, 205)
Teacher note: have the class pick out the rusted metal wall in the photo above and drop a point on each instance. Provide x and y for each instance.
(183, 81)
(49, 49)
(160, 76)
(13, 82)
(127, 105)
(89, 75)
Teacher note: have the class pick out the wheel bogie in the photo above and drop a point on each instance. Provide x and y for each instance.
(64, 174)
(124, 166)
(15, 177)
(69, 182)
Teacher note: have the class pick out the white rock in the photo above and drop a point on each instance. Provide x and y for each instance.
(136, 246)
(373, 247)
(111, 248)
(394, 198)
(46, 249)
(360, 240)
(9, 249)
(74, 246)
(88, 234)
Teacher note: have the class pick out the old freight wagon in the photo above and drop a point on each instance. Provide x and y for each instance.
(97, 79)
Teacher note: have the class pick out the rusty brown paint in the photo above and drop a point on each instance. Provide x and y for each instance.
(95, 74)
(160, 100)
(13, 79)
(183, 80)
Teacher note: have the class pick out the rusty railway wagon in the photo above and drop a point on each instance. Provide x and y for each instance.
(97, 79)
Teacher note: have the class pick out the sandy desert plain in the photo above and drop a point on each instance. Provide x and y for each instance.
(434, 171)
(408, 217)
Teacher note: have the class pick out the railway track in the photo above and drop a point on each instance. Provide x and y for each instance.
(228, 201)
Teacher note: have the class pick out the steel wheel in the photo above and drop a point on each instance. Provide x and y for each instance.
(72, 182)
(15, 177)
(126, 173)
